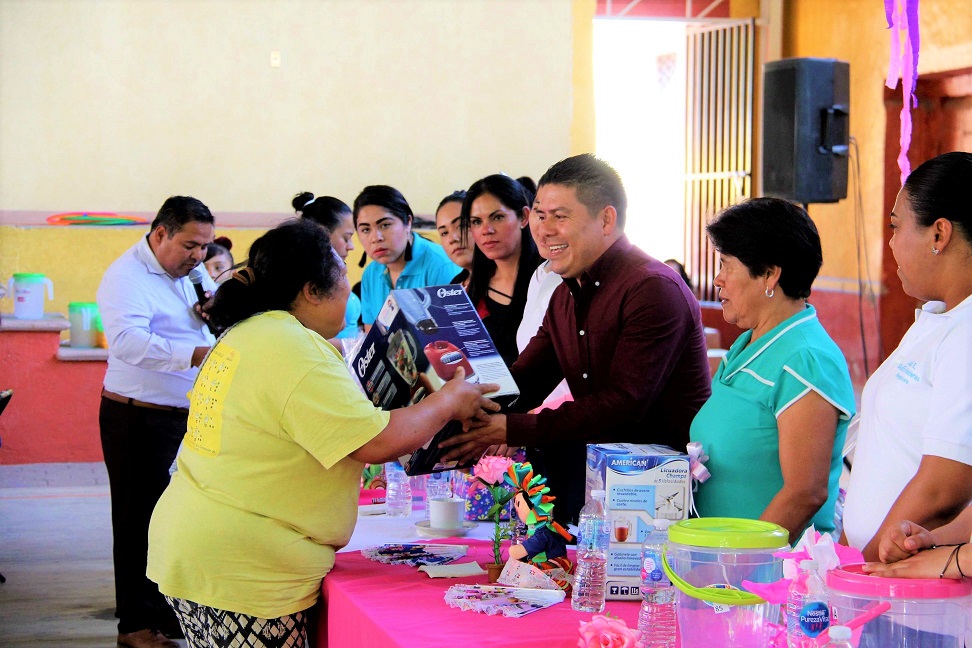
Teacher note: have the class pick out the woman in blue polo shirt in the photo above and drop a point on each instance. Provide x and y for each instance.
(781, 400)
(383, 221)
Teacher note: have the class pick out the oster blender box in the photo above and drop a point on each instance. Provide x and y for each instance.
(419, 340)
(642, 482)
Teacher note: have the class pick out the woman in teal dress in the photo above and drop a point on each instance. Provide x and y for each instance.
(781, 400)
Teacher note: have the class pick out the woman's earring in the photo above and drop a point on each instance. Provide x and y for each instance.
(935, 250)
(769, 292)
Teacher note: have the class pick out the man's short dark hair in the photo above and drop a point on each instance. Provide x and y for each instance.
(178, 211)
(596, 182)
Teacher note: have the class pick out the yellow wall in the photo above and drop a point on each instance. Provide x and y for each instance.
(855, 31)
(75, 258)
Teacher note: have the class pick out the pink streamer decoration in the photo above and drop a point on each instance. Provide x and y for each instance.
(894, 63)
(903, 63)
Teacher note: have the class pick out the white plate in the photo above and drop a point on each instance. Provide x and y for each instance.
(371, 509)
(426, 530)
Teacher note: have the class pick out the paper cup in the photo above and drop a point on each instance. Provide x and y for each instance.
(446, 513)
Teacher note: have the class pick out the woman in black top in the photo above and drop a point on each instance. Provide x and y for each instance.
(496, 214)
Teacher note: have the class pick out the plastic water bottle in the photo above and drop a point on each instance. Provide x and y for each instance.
(840, 637)
(398, 491)
(417, 484)
(437, 486)
(592, 545)
(656, 621)
(807, 607)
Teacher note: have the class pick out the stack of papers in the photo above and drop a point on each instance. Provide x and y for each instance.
(415, 554)
(495, 599)
(453, 571)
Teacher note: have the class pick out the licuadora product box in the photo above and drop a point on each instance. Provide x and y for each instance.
(420, 337)
(641, 482)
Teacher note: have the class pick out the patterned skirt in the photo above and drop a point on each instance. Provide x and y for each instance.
(207, 627)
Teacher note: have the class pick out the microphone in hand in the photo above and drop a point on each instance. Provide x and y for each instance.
(196, 278)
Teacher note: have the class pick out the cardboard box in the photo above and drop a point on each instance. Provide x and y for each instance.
(420, 338)
(642, 482)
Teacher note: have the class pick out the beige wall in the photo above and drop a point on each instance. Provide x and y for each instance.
(855, 31)
(115, 104)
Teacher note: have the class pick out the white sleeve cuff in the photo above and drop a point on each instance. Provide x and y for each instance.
(947, 450)
(182, 356)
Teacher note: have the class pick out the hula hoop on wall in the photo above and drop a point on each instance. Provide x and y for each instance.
(94, 218)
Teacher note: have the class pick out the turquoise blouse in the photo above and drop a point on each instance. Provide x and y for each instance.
(737, 426)
(429, 266)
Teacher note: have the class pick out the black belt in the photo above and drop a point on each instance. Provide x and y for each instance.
(118, 398)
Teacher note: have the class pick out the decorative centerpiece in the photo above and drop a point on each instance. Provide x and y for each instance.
(491, 471)
(477, 495)
(546, 546)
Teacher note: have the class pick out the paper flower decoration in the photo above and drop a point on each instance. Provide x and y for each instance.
(491, 469)
(606, 632)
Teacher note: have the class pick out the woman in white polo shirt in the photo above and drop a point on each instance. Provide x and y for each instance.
(914, 458)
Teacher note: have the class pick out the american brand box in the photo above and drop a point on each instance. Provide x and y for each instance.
(642, 482)
(420, 338)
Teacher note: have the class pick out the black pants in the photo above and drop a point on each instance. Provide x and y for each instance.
(139, 445)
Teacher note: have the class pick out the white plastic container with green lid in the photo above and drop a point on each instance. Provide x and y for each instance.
(27, 291)
(708, 559)
(84, 324)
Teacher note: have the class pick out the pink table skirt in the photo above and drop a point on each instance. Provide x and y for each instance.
(373, 605)
(371, 496)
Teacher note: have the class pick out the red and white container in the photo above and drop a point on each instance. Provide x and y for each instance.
(924, 613)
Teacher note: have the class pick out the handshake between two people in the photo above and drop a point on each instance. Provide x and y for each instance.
(482, 424)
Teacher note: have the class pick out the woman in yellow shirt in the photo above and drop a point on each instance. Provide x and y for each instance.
(267, 481)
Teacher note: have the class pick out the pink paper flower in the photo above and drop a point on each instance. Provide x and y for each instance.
(606, 632)
(491, 469)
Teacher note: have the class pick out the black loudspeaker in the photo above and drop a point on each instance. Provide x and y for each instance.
(806, 109)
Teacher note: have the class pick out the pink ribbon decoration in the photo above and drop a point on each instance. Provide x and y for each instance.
(845, 555)
(812, 546)
(697, 459)
(697, 469)
(903, 63)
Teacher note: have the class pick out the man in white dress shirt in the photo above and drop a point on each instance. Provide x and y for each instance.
(156, 341)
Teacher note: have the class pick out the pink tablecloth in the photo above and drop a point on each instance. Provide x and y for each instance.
(371, 496)
(373, 605)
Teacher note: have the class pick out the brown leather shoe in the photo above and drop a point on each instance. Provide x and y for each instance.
(145, 639)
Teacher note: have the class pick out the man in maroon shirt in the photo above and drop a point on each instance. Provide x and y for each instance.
(623, 329)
